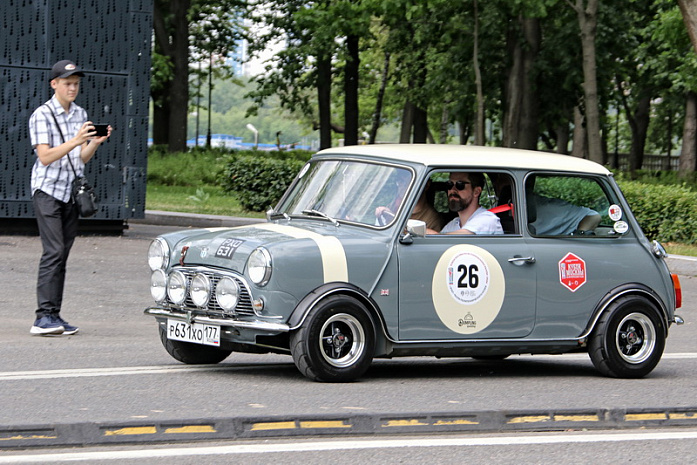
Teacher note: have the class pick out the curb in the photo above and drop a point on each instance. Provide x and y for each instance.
(236, 428)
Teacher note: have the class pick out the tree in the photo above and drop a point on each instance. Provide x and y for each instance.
(186, 30)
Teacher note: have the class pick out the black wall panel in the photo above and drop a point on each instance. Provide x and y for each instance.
(110, 41)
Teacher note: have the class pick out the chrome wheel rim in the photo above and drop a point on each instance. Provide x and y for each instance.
(342, 340)
(635, 338)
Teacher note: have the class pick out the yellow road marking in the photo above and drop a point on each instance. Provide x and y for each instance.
(683, 416)
(576, 418)
(459, 421)
(391, 423)
(645, 416)
(529, 419)
(191, 429)
(131, 431)
(33, 436)
(324, 424)
(273, 425)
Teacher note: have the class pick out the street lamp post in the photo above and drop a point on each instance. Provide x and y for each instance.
(251, 127)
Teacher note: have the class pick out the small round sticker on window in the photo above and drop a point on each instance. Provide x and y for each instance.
(615, 212)
(621, 227)
(468, 277)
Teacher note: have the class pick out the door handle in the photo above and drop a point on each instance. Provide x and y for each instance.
(521, 260)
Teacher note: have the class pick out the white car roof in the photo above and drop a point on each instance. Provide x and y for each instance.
(471, 156)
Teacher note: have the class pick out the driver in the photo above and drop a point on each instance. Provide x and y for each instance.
(464, 190)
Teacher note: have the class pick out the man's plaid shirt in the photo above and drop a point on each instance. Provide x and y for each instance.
(56, 178)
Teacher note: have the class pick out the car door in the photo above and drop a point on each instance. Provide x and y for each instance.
(464, 287)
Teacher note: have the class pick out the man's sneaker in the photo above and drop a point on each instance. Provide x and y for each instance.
(46, 325)
(68, 329)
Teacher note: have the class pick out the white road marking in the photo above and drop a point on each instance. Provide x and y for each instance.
(351, 444)
(175, 369)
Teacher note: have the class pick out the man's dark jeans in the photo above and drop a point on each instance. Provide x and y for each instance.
(57, 223)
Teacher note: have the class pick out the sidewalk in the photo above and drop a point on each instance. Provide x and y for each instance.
(679, 264)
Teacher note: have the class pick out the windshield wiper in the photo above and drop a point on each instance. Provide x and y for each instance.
(321, 215)
(274, 215)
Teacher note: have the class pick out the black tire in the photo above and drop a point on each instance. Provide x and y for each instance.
(336, 341)
(629, 338)
(490, 358)
(193, 354)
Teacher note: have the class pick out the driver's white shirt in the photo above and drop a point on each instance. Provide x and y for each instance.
(482, 221)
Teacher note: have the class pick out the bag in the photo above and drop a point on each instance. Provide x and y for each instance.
(84, 197)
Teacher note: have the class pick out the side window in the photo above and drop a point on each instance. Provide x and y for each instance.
(566, 205)
(496, 195)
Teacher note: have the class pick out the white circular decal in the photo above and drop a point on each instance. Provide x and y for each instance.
(468, 277)
(615, 212)
(468, 288)
(621, 227)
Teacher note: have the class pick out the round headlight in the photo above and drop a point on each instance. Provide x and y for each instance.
(158, 285)
(158, 254)
(176, 287)
(200, 290)
(259, 266)
(227, 293)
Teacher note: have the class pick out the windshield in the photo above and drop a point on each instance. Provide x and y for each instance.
(360, 192)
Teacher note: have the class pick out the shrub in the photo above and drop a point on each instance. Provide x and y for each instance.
(665, 213)
(259, 181)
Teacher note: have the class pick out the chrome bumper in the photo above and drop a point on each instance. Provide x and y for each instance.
(191, 318)
(678, 320)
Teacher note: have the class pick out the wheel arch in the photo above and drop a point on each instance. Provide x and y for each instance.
(297, 318)
(623, 291)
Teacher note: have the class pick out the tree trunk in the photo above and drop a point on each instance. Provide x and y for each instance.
(579, 147)
(529, 130)
(689, 17)
(444, 125)
(639, 124)
(514, 91)
(420, 125)
(562, 131)
(479, 135)
(179, 92)
(377, 114)
(688, 156)
(407, 123)
(588, 19)
(324, 93)
(351, 91)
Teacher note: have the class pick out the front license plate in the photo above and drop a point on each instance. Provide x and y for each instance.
(195, 332)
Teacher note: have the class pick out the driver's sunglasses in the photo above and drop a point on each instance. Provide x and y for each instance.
(459, 185)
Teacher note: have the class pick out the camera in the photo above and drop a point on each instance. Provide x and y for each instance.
(102, 129)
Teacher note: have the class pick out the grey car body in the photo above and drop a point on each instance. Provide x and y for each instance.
(333, 283)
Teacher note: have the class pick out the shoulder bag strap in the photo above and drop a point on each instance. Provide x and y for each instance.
(62, 138)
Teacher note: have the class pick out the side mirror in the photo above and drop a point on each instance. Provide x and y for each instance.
(416, 228)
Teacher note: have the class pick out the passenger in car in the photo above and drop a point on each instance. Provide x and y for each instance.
(464, 190)
(426, 212)
(556, 217)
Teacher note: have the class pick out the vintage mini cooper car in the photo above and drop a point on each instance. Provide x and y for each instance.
(346, 268)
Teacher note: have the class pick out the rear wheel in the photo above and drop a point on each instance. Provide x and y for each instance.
(629, 339)
(192, 354)
(336, 342)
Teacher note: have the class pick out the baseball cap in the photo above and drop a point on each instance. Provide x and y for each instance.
(65, 68)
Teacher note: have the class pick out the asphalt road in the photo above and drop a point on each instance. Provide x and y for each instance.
(114, 380)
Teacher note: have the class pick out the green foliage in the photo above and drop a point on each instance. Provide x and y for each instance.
(665, 213)
(259, 181)
(194, 168)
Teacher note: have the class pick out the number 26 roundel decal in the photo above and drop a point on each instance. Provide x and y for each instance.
(468, 288)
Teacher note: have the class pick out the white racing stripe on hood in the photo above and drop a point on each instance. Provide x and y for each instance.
(333, 256)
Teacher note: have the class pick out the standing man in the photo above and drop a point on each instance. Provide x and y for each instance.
(56, 147)
(464, 190)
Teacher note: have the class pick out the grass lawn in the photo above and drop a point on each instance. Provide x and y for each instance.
(208, 200)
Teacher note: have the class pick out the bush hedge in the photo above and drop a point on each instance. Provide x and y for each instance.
(667, 213)
(259, 181)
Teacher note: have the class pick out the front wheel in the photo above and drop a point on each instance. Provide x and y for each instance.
(192, 354)
(629, 339)
(336, 342)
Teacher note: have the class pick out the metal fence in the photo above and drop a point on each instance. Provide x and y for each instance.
(110, 40)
